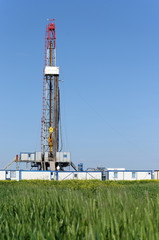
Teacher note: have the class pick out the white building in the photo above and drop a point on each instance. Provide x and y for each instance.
(111, 174)
(156, 174)
(122, 174)
(49, 175)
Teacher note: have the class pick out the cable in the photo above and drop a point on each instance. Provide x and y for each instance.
(60, 124)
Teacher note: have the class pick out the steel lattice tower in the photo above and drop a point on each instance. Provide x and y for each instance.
(50, 117)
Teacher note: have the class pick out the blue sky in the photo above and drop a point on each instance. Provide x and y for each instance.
(108, 53)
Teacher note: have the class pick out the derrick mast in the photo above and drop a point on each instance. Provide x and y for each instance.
(50, 158)
(50, 118)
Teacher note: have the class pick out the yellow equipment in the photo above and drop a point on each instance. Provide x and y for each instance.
(50, 141)
(50, 129)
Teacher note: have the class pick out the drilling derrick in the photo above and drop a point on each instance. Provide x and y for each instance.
(50, 158)
(50, 118)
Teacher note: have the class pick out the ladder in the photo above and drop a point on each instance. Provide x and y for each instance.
(9, 164)
(74, 166)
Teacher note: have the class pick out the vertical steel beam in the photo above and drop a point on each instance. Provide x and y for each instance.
(56, 117)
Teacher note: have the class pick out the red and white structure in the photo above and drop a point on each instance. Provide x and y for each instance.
(50, 115)
(50, 158)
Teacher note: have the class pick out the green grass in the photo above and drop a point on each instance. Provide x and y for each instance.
(79, 210)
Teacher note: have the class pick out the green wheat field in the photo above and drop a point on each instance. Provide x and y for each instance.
(37, 210)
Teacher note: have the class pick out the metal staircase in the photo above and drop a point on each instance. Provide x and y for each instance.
(9, 164)
(74, 166)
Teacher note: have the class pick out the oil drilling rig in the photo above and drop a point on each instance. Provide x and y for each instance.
(51, 106)
(50, 157)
